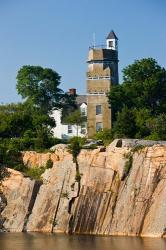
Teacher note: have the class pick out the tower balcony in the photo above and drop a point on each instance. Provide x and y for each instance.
(102, 46)
(101, 53)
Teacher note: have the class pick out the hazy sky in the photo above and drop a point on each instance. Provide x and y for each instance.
(58, 33)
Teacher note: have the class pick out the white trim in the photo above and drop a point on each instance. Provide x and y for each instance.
(99, 77)
(96, 93)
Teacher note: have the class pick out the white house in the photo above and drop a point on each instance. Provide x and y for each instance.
(64, 131)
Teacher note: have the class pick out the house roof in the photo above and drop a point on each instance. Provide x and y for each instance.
(81, 99)
(112, 35)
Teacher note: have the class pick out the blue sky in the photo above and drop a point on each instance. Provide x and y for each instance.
(57, 34)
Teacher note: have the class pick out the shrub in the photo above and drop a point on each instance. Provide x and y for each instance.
(75, 145)
(49, 164)
(106, 135)
(3, 173)
(20, 167)
(78, 176)
(128, 164)
(35, 172)
(65, 195)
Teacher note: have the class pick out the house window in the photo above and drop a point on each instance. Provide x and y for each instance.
(110, 44)
(70, 131)
(99, 126)
(98, 109)
(83, 129)
(83, 112)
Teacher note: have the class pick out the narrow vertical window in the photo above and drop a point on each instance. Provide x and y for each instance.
(98, 109)
(83, 111)
(99, 126)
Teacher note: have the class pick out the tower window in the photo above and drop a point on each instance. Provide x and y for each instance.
(99, 126)
(110, 44)
(98, 109)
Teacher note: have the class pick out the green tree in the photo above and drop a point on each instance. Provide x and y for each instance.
(157, 126)
(144, 86)
(141, 97)
(125, 125)
(15, 119)
(22, 120)
(76, 118)
(39, 86)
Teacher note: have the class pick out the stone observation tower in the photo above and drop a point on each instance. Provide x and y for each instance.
(102, 73)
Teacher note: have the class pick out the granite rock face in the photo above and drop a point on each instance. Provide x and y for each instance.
(19, 193)
(122, 192)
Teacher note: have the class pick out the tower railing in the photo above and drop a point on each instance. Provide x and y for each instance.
(102, 46)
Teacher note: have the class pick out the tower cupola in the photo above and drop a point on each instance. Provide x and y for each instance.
(112, 41)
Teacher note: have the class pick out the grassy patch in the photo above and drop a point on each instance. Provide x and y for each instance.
(35, 172)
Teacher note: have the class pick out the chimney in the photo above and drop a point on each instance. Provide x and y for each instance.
(72, 91)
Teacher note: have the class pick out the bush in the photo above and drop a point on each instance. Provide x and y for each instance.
(35, 172)
(128, 164)
(78, 176)
(75, 146)
(106, 135)
(3, 173)
(19, 167)
(49, 164)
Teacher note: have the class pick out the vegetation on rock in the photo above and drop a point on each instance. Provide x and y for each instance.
(75, 145)
(105, 135)
(49, 164)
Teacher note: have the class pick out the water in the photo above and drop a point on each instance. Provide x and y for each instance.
(42, 241)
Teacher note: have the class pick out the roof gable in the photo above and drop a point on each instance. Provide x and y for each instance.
(81, 99)
(112, 35)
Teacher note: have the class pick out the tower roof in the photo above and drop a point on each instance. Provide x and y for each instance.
(112, 35)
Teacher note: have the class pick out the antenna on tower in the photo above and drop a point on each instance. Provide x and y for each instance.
(94, 39)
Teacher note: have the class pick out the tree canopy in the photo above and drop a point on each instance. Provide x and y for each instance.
(140, 101)
(28, 125)
(40, 86)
